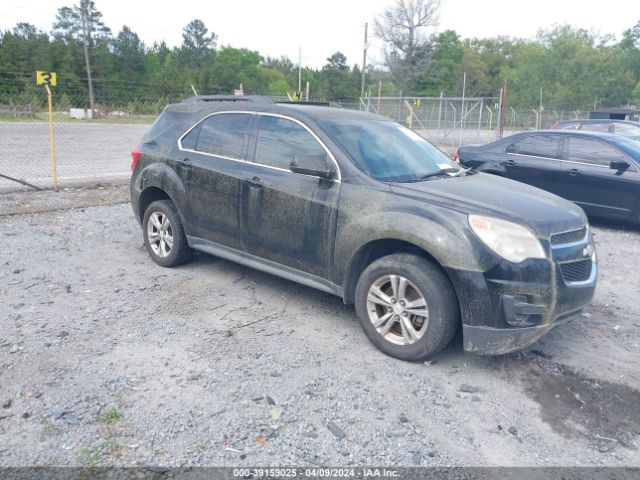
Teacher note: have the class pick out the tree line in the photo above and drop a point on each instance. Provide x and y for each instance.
(562, 68)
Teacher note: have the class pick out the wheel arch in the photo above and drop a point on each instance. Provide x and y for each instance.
(150, 195)
(376, 249)
(160, 182)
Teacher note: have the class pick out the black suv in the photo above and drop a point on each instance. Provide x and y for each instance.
(357, 205)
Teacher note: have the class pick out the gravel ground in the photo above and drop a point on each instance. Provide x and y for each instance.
(108, 359)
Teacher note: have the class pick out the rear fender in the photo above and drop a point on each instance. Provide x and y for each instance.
(161, 176)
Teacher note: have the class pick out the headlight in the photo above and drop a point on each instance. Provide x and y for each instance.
(511, 241)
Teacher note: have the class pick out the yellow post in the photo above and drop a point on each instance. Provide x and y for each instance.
(52, 145)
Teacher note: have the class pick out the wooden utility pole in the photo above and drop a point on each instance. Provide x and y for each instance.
(85, 41)
(503, 108)
(364, 64)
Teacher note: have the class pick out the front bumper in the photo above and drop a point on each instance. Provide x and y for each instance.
(499, 341)
(509, 307)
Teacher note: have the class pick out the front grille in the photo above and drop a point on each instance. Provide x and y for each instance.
(579, 271)
(569, 237)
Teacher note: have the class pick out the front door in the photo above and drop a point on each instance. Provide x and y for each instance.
(288, 218)
(594, 186)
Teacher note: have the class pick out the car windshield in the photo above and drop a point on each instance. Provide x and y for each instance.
(630, 147)
(389, 152)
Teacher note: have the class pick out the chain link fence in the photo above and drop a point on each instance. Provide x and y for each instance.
(91, 147)
(94, 147)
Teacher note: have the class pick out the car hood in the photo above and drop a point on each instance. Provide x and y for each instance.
(491, 195)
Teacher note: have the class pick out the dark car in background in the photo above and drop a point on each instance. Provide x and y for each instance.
(598, 171)
(623, 128)
(359, 206)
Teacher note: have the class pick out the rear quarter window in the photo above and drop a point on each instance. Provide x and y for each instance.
(190, 140)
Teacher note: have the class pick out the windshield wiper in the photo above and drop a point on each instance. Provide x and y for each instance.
(444, 171)
(462, 171)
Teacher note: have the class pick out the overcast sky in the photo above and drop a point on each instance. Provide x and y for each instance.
(320, 28)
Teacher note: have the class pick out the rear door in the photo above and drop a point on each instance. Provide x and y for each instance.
(211, 170)
(594, 186)
(536, 160)
(287, 217)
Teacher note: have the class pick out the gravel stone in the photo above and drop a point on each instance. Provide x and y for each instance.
(466, 388)
(336, 430)
(144, 374)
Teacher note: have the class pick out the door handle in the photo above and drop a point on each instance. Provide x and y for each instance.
(510, 163)
(573, 172)
(254, 182)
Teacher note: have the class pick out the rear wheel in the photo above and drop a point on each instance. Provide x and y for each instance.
(164, 234)
(407, 307)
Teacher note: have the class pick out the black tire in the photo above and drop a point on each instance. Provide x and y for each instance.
(435, 288)
(180, 252)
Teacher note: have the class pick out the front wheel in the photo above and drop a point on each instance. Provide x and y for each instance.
(407, 306)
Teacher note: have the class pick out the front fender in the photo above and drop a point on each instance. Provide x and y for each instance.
(441, 236)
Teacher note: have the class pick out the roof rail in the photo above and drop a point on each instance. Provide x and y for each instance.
(304, 102)
(228, 98)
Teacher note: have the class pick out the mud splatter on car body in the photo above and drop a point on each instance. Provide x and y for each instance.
(324, 231)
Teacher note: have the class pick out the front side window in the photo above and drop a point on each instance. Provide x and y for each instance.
(225, 135)
(595, 152)
(280, 141)
(546, 146)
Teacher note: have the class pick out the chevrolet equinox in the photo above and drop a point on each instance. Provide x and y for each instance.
(357, 205)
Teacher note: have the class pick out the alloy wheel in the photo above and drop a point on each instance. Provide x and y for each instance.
(160, 234)
(397, 309)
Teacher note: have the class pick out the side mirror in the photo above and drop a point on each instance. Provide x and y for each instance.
(314, 165)
(619, 165)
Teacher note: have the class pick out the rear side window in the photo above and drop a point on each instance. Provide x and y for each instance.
(588, 150)
(547, 146)
(280, 141)
(225, 135)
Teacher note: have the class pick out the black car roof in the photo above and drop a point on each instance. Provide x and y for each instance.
(580, 133)
(202, 106)
(625, 143)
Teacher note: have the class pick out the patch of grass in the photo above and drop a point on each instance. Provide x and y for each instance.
(111, 416)
(113, 447)
(90, 458)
